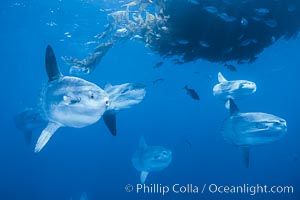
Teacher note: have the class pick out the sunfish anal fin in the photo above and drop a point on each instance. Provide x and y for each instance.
(109, 118)
(51, 65)
(46, 135)
(221, 78)
(246, 156)
(232, 107)
(144, 175)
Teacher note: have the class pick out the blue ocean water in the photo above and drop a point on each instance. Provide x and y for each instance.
(91, 160)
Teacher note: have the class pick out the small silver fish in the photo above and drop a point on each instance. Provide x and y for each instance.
(226, 18)
(244, 21)
(210, 9)
(262, 11)
(203, 44)
(271, 23)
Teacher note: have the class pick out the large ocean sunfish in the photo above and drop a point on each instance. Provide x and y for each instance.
(150, 158)
(234, 89)
(68, 101)
(246, 130)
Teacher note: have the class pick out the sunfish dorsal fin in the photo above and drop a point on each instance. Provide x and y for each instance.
(221, 78)
(142, 143)
(143, 177)
(246, 156)
(46, 135)
(109, 118)
(51, 65)
(233, 107)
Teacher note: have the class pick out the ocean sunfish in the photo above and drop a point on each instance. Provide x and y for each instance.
(250, 129)
(122, 96)
(235, 89)
(150, 158)
(68, 101)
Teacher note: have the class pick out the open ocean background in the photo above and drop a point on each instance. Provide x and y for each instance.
(91, 160)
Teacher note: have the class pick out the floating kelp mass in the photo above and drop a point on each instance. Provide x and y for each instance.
(188, 30)
(225, 30)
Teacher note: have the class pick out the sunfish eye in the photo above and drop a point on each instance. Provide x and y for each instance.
(91, 95)
(107, 102)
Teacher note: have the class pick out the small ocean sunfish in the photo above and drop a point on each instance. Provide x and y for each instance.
(234, 89)
(250, 129)
(150, 158)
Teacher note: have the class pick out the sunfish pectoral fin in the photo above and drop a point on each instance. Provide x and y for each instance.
(221, 78)
(143, 177)
(51, 65)
(46, 135)
(109, 118)
(232, 107)
(246, 156)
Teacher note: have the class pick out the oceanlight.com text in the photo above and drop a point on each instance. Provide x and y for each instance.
(249, 189)
(208, 188)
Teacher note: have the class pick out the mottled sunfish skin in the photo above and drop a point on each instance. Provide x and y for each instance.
(150, 158)
(234, 89)
(68, 101)
(246, 130)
